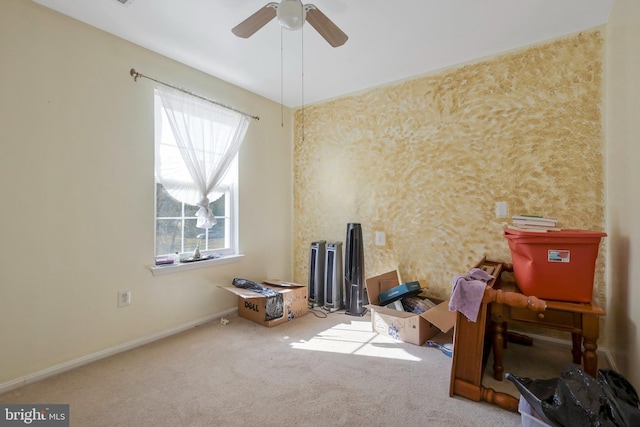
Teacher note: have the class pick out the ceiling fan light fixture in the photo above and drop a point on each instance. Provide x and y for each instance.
(291, 14)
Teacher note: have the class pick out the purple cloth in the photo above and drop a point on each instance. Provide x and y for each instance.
(468, 291)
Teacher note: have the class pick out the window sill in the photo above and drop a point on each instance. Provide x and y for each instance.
(159, 270)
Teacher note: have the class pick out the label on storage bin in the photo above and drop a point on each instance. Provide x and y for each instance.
(555, 255)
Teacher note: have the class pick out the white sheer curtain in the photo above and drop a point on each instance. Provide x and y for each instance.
(192, 161)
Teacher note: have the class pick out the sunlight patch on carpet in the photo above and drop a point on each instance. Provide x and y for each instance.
(356, 338)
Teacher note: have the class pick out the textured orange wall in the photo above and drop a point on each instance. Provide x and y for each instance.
(425, 161)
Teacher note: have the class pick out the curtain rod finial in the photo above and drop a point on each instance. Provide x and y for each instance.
(134, 74)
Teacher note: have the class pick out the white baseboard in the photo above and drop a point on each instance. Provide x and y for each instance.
(610, 359)
(75, 363)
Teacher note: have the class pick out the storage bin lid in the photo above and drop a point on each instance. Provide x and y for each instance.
(510, 233)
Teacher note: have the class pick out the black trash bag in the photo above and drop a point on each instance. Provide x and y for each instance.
(577, 399)
(622, 396)
(275, 305)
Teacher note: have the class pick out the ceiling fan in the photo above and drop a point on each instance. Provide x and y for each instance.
(291, 15)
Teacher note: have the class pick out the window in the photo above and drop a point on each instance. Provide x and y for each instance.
(176, 225)
(175, 222)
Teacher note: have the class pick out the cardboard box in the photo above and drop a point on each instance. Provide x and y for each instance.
(252, 305)
(409, 327)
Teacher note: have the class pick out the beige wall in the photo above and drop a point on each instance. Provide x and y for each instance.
(77, 189)
(623, 195)
(425, 161)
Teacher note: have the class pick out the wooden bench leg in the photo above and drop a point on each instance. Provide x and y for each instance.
(576, 351)
(498, 350)
(590, 333)
(505, 334)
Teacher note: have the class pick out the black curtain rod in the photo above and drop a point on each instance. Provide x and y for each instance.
(136, 74)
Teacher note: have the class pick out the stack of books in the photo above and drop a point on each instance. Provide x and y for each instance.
(534, 223)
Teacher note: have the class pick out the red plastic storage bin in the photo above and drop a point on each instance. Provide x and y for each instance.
(555, 265)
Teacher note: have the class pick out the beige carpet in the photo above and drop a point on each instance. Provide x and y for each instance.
(312, 371)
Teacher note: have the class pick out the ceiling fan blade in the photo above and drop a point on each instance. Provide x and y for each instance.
(323, 25)
(256, 21)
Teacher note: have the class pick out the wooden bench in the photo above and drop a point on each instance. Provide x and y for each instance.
(473, 341)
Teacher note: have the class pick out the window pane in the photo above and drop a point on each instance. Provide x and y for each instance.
(216, 234)
(191, 235)
(168, 236)
(218, 206)
(190, 210)
(213, 238)
(166, 206)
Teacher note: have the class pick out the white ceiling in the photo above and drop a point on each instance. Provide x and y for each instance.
(389, 40)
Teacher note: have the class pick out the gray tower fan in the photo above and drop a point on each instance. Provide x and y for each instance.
(316, 273)
(354, 271)
(333, 275)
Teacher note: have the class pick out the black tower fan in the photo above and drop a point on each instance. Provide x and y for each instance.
(354, 271)
(316, 273)
(333, 277)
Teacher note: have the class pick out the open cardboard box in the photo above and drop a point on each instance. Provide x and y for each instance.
(408, 327)
(252, 305)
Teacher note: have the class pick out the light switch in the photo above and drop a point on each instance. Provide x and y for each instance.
(381, 238)
(501, 210)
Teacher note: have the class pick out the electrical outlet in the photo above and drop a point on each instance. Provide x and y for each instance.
(124, 298)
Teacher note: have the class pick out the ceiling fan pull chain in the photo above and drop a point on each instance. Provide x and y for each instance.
(281, 80)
